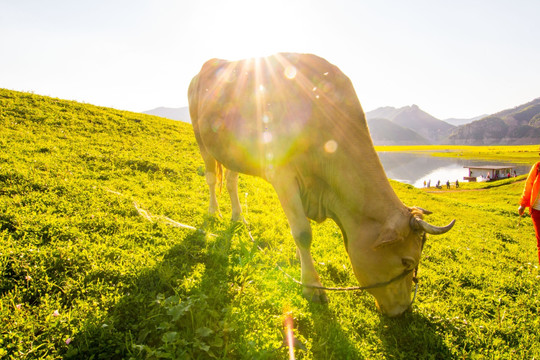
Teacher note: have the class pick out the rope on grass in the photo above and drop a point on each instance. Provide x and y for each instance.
(148, 216)
(159, 218)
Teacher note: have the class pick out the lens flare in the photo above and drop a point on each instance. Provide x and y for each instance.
(330, 146)
(251, 95)
(290, 72)
(288, 324)
(267, 137)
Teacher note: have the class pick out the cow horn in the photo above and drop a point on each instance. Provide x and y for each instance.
(419, 224)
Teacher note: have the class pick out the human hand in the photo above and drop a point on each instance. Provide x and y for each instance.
(521, 209)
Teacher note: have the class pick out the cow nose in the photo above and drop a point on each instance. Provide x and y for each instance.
(394, 311)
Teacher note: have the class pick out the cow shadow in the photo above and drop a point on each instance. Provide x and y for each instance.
(182, 295)
(411, 336)
(329, 338)
(414, 336)
(187, 294)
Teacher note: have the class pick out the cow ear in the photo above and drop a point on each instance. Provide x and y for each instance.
(386, 238)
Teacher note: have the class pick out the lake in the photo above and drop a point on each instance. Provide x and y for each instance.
(414, 168)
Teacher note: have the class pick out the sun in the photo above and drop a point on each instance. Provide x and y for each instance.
(249, 29)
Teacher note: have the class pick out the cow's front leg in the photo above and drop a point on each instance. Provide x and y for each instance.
(289, 196)
(302, 238)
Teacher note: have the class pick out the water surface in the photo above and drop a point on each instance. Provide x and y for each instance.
(415, 168)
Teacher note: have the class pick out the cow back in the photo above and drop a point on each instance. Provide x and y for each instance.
(258, 114)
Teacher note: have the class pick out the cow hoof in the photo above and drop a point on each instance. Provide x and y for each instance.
(215, 215)
(236, 218)
(316, 296)
(211, 219)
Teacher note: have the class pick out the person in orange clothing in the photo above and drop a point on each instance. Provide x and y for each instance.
(530, 199)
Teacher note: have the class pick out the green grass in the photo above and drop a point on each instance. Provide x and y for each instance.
(523, 154)
(83, 275)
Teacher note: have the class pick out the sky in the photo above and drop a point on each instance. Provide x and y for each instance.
(454, 59)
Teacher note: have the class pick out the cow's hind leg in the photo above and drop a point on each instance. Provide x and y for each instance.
(213, 177)
(232, 188)
(289, 195)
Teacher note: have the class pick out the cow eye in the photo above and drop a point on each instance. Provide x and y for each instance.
(408, 262)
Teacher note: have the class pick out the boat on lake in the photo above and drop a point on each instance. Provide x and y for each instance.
(492, 172)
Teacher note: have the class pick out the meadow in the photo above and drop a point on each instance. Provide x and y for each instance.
(91, 266)
(521, 154)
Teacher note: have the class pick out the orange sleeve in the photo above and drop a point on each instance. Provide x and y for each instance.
(525, 200)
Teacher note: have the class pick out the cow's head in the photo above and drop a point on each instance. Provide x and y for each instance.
(392, 252)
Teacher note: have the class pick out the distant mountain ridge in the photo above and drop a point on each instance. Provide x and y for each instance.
(410, 125)
(426, 127)
(385, 132)
(517, 126)
(180, 114)
(458, 122)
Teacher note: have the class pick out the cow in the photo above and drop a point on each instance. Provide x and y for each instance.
(295, 121)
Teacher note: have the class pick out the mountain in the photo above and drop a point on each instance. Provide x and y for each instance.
(458, 122)
(385, 132)
(410, 125)
(414, 119)
(405, 126)
(181, 114)
(517, 126)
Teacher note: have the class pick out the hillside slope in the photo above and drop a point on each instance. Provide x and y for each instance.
(91, 268)
(385, 132)
(73, 245)
(458, 122)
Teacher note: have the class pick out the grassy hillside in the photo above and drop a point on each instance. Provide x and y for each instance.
(91, 268)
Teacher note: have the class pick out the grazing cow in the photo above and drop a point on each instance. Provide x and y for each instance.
(295, 120)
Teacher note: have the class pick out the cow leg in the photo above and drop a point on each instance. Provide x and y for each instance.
(232, 188)
(213, 209)
(211, 166)
(289, 197)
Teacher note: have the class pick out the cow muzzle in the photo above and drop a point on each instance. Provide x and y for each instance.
(393, 311)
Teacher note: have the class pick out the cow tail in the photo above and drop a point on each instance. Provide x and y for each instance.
(193, 99)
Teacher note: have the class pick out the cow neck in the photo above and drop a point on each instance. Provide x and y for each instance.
(364, 188)
(361, 219)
